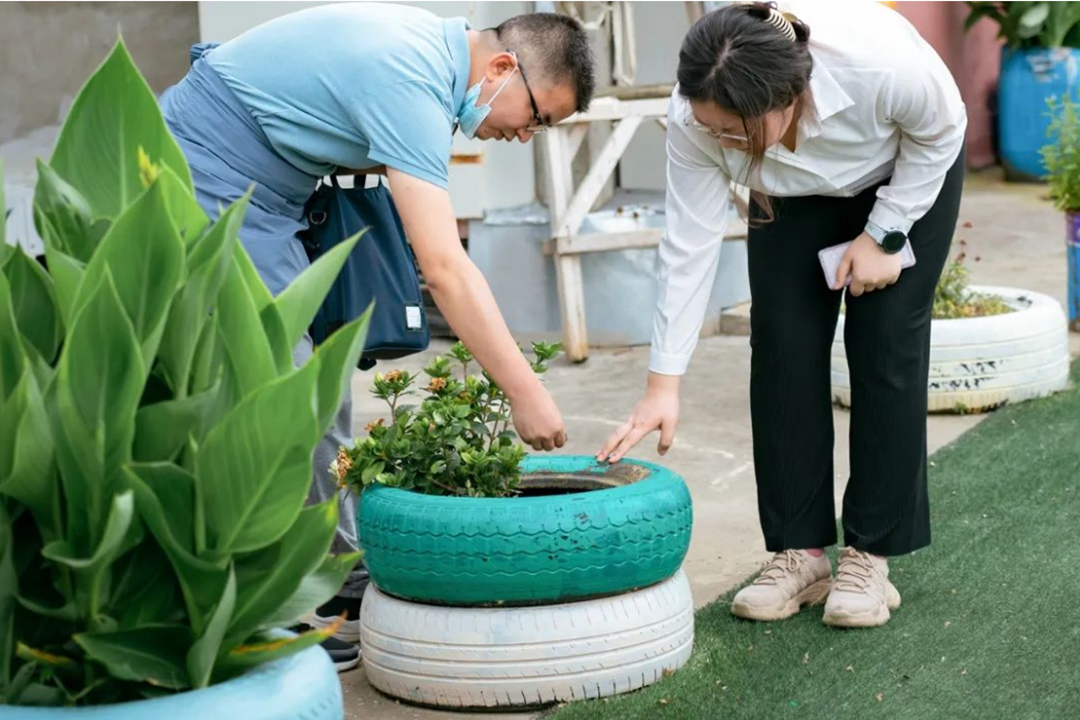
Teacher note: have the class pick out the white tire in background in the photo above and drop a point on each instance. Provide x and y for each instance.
(526, 656)
(978, 364)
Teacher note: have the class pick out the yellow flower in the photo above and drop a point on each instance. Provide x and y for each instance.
(437, 384)
(148, 171)
(393, 375)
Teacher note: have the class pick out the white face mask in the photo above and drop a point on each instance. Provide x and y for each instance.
(471, 116)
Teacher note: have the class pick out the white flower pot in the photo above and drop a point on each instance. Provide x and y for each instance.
(978, 364)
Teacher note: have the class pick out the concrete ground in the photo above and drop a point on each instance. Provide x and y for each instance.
(1015, 232)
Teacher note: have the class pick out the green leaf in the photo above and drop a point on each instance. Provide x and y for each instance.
(68, 612)
(120, 535)
(184, 209)
(275, 336)
(374, 469)
(152, 654)
(98, 386)
(62, 215)
(9, 588)
(67, 274)
(145, 256)
(203, 654)
(5, 249)
(260, 294)
(254, 469)
(209, 260)
(1032, 20)
(337, 358)
(271, 576)
(144, 589)
(250, 361)
(162, 429)
(299, 302)
(27, 470)
(34, 304)
(114, 115)
(12, 353)
(163, 485)
(315, 589)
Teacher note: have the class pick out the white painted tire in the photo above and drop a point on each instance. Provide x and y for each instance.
(979, 364)
(525, 656)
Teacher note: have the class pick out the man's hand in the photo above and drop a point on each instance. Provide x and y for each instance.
(870, 267)
(538, 421)
(465, 300)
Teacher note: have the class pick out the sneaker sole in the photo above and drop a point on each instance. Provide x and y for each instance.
(344, 665)
(875, 618)
(814, 594)
(348, 632)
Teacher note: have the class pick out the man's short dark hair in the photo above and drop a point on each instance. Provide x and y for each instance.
(555, 50)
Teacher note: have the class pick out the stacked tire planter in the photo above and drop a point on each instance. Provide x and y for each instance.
(572, 591)
(978, 364)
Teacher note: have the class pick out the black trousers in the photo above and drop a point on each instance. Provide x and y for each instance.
(887, 336)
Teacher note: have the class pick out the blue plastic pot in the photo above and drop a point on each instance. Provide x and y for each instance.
(1028, 79)
(303, 686)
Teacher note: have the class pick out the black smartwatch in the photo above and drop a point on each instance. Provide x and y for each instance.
(891, 241)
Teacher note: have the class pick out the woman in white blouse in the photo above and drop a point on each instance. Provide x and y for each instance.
(852, 134)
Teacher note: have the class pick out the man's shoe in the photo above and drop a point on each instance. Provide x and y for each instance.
(326, 614)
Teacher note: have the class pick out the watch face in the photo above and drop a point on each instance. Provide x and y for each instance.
(893, 242)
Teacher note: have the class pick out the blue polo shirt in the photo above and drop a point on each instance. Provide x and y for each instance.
(353, 85)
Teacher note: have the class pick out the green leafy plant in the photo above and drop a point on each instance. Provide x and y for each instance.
(1027, 25)
(953, 298)
(1062, 155)
(155, 437)
(458, 441)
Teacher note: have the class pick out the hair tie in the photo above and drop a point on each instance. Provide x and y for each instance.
(781, 23)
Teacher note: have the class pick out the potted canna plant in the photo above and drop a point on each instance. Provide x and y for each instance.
(156, 443)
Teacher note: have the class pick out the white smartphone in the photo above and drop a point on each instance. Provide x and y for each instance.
(831, 258)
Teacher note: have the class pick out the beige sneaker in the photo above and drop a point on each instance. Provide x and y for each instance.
(862, 595)
(792, 579)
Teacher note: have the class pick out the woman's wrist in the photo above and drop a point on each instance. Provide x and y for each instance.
(663, 384)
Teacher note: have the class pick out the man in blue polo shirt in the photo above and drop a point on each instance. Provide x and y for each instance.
(362, 88)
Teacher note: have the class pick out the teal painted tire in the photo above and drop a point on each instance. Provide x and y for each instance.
(632, 533)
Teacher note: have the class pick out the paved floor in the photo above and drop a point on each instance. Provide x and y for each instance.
(1017, 236)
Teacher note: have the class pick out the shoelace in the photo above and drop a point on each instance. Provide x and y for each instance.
(783, 562)
(855, 572)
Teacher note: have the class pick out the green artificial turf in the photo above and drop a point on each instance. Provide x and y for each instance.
(990, 622)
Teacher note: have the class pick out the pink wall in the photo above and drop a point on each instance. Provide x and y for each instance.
(974, 59)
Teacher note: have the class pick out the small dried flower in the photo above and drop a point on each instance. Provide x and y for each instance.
(373, 424)
(342, 466)
(437, 384)
(393, 375)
